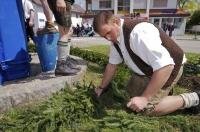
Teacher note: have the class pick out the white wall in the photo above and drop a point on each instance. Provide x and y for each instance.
(177, 31)
(95, 4)
(139, 4)
(181, 30)
(172, 4)
(76, 21)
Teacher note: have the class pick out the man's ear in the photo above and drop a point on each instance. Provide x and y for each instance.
(116, 20)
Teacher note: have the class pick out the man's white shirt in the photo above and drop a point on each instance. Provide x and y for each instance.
(145, 42)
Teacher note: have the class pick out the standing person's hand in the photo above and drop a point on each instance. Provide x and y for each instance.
(68, 6)
(61, 6)
(137, 103)
(31, 23)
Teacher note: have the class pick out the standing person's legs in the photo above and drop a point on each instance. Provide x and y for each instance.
(161, 103)
(65, 64)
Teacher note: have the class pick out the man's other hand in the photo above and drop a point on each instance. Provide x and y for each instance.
(137, 103)
(31, 24)
(98, 91)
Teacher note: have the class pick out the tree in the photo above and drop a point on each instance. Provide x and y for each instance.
(194, 19)
(189, 5)
(181, 3)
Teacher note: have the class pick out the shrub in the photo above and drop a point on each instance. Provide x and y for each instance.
(194, 20)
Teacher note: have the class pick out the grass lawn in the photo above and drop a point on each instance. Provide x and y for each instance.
(77, 110)
(104, 49)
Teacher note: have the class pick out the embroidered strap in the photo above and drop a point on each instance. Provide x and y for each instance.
(118, 50)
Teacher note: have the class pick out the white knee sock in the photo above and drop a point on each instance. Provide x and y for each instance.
(190, 99)
(63, 50)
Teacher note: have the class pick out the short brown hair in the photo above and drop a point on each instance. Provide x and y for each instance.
(100, 19)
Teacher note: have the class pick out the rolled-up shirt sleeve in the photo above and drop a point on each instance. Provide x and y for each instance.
(30, 6)
(114, 57)
(145, 40)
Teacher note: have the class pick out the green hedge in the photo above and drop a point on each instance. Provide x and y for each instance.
(88, 55)
(191, 68)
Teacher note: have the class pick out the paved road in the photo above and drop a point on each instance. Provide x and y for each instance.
(188, 45)
(192, 46)
(89, 41)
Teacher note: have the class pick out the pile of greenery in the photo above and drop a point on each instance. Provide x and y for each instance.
(80, 110)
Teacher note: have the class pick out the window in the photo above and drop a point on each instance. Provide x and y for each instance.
(160, 3)
(124, 5)
(105, 4)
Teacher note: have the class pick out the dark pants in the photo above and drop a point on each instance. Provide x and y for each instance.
(62, 19)
(137, 85)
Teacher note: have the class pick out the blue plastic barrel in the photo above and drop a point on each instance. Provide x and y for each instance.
(1, 57)
(14, 57)
(46, 46)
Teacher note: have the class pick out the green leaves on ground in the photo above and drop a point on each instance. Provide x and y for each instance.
(79, 110)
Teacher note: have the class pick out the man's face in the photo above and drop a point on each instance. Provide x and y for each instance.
(110, 31)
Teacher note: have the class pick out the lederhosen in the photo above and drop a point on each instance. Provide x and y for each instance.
(62, 19)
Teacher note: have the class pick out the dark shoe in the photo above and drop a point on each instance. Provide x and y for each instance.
(49, 28)
(72, 60)
(72, 63)
(63, 69)
(194, 109)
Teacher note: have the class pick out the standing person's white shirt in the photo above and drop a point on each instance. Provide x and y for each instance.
(28, 7)
(29, 18)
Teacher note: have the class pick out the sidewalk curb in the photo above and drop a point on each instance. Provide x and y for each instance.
(20, 92)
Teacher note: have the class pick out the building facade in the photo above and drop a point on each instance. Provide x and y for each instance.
(159, 12)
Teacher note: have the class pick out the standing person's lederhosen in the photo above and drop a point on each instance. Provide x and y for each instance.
(63, 20)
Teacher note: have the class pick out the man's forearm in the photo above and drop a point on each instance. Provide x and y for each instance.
(108, 74)
(159, 78)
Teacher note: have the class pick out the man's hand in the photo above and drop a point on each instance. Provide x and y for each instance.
(137, 103)
(61, 6)
(98, 91)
